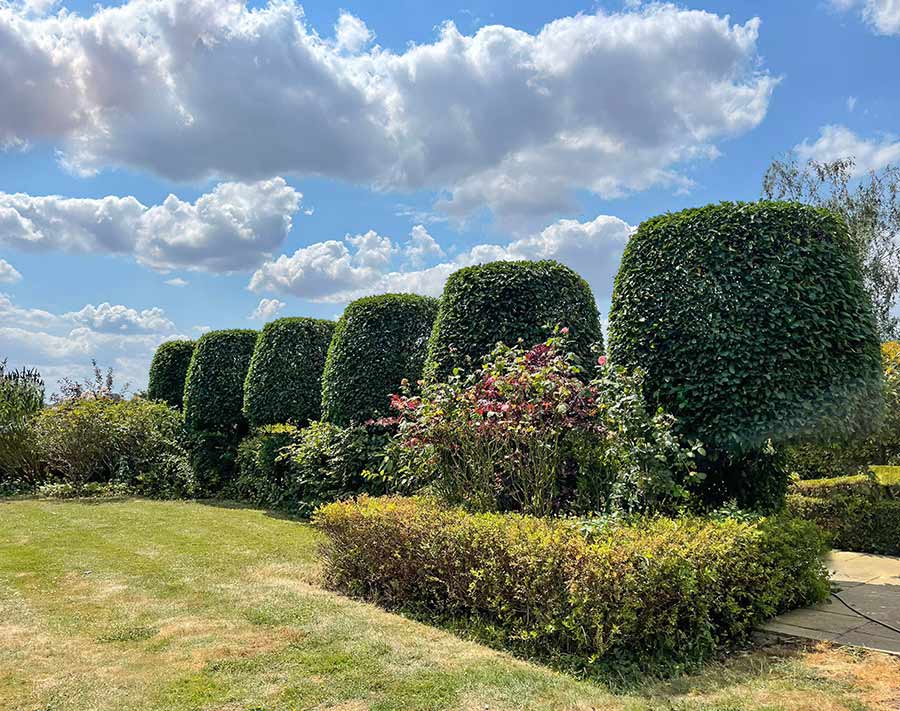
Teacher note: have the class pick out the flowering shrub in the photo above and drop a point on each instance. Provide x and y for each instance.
(527, 433)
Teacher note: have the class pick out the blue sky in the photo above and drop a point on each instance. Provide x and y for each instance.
(315, 153)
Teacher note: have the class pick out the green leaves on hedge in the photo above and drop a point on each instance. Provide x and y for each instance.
(379, 341)
(284, 382)
(168, 372)
(751, 321)
(214, 387)
(504, 301)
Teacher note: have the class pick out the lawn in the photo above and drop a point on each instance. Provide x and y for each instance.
(174, 605)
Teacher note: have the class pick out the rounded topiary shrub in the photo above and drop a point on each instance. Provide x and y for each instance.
(752, 323)
(284, 382)
(214, 387)
(505, 301)
(168, 371)
(379, 341)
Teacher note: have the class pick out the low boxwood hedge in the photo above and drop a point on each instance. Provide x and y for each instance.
(646, 594)
(858, 513)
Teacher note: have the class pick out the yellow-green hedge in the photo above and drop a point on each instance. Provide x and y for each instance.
(651, 594)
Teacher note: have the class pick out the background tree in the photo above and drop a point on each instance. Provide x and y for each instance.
(870, 205)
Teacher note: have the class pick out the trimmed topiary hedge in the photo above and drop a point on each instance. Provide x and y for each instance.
(214, 387)
(645, 595)
(168, 372)
(379, 341)
(284, 382)
(752, 323)
(504, 301)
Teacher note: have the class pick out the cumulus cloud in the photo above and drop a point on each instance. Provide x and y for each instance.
(8, 273)
(62, 344)
(883, 16)
(517, 122)
(109, 318)
(840, 142)
(266, 309)
(177, 282)
(234, 227)
(337, 271)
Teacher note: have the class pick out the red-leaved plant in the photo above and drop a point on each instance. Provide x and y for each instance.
(528, 432)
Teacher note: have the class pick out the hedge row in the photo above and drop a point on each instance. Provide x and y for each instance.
(655, 591)
(378, 342)
(752, 322)
(858, 513)
(168, 371)
(284, 381)
(506, 301)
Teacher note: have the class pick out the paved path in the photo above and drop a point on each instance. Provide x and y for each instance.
(868, 583)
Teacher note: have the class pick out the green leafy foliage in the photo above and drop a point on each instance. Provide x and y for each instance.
(264, 476)
(378, 342)
(168, 371)
(214, 386)
(284, 382)
(21, 396)
(328, 463)
(504, 302)
(752, 323)
(642, 595)
(136, 443)
(858, 513)
(841, 457)
(526, 433)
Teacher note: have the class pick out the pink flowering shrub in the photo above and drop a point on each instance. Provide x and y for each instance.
(528, 432)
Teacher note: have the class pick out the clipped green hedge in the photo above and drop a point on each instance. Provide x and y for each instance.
(263, 474)
(859, 513)
(284, 381)
(644, 595)
(379, 341)
(752, 322)
(214, 387)
(168, 371)
(504, 301)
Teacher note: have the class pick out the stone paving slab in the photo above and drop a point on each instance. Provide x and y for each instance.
(870, 584)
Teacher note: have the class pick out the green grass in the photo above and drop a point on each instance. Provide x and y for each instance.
(175, 605)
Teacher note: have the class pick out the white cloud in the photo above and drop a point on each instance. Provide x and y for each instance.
(8, 273)
(883, 16)
(518, 122)
(62, 345)
(234, 227)
(840, 142)
(851, 103)
(202, 329)
(421, 246)
(337, 271)
(266, 309)
(351, 33)
(109, 318)
(177, 282)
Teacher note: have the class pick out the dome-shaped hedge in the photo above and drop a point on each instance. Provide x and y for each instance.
(505, 301)
(379, 341)
(284, 382)
(214, 387)
(168, 371)
(752, 323)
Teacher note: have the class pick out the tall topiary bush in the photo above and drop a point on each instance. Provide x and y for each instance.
(752, 323)
(214, 387)
(284, 382)
(505, 301)
(168, 371)
(379, 341)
